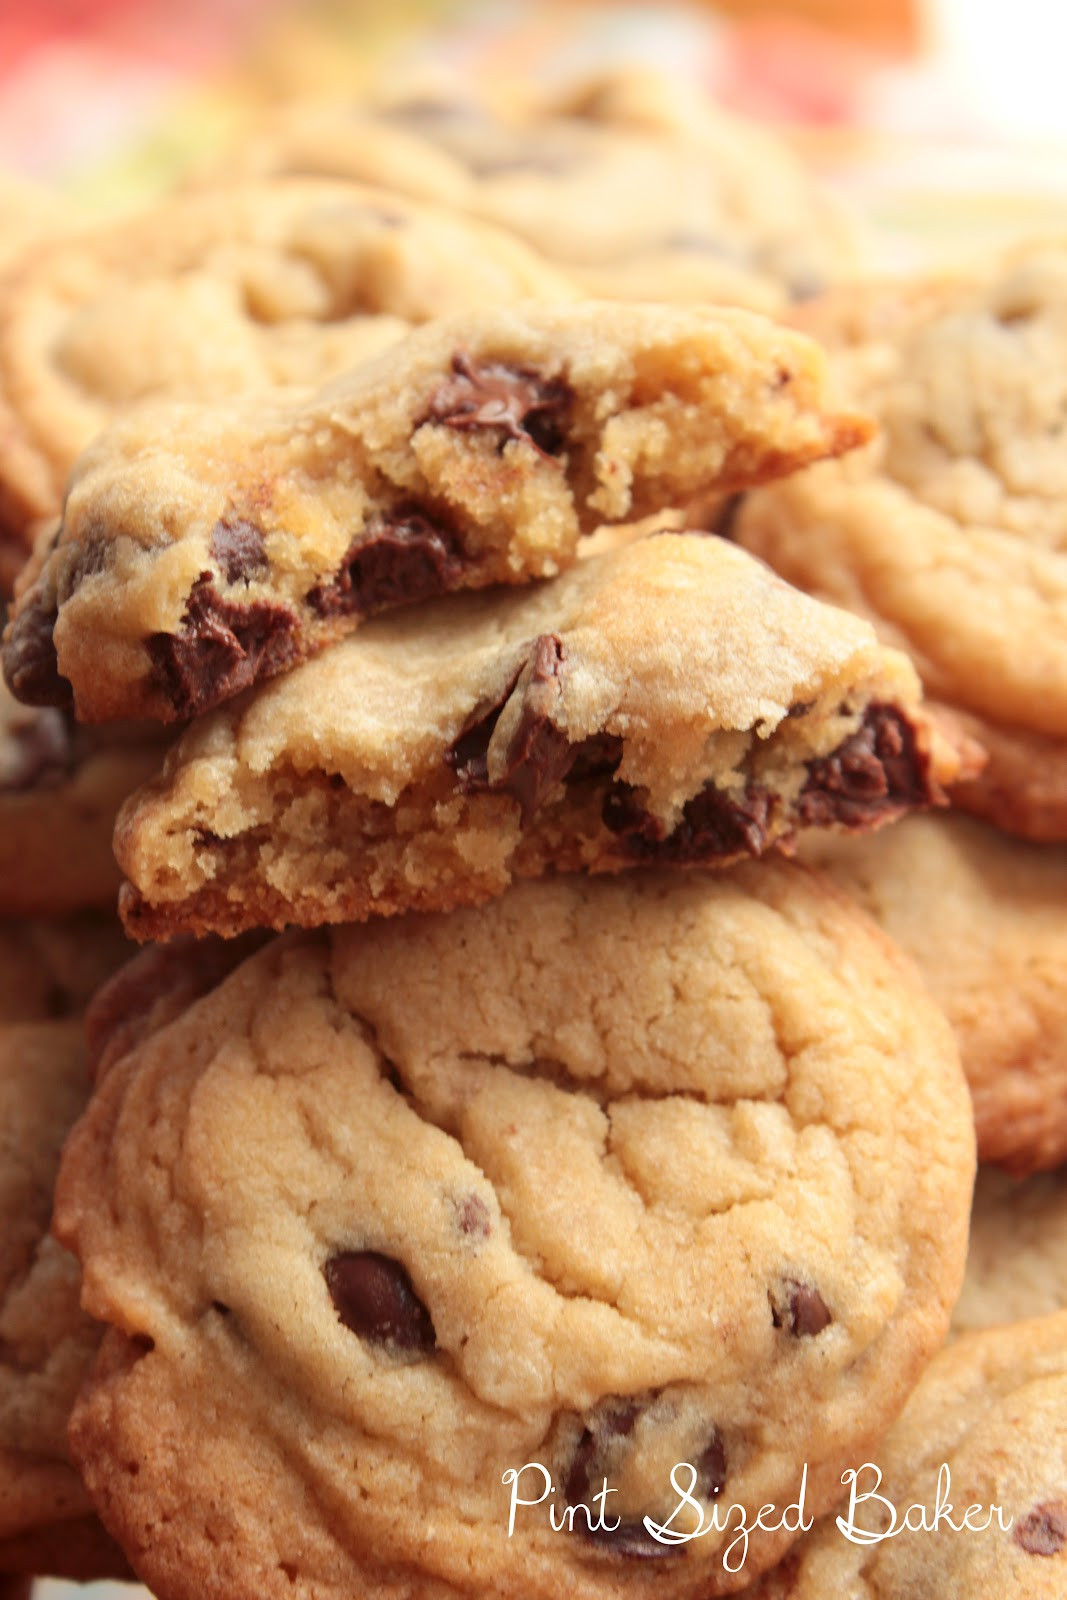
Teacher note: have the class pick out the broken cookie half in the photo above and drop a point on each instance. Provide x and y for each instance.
(202, 550)
(671, 701)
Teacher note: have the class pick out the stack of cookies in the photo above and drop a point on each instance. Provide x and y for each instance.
(501, 1170)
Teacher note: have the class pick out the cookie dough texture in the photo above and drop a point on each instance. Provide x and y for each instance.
(993, 1409)
(203, 549)
(984, 916)
(286, 281)
(949, 530)
(1017, 1256)
(61, 787)
(47, 1342)
(668, 700)
(606, 1175)
(638, 186)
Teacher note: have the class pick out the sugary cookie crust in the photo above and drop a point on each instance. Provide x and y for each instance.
(685, 1175)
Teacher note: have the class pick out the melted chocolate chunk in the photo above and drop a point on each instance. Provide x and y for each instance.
(876, 773)
(37, 754)
(711, 1467)
(238, 548)
(401, 557)
(800, 1308)
(540, 755)
(373, 1295)
(492, 395)
(615, 1421)
(90, 557)
(31, 666)
(714, 827)
(221, 648)
(1043, 1531)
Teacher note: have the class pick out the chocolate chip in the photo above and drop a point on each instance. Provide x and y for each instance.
(539, 755)
(1043, 1532)
(800, 1308)
(873, 775)
(711, 1467)
(400, 557)
(473, 1216)
(31, 666)
(715, 825)
(595, 757)
(513, 399)
(37, 753)
(238, 548)
(615, 1420)
(373, 1295)
(221, 648)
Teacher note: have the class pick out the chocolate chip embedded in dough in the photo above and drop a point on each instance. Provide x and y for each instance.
(715, 825)
(1043, 1531)
(374, 1297)
(401, 557)
(711, 1467)
(31, 665)
(237, 545)
(222, 647)
(800, 1308)
(876, 773)
(492, 395)
(472, 1214)
(539, 755)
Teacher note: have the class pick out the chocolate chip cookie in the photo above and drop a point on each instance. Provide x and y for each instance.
(639, 187)
(1017, 1257)
(60, 790)
(209, 295)
(949, 530)
(991, 1413)
(668, 701)
(201, 550)
(47, 1342)
(985, 918)
(605, 1176)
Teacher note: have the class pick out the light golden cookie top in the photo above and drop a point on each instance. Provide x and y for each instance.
(992, 1411)
(950, 530)
(636, 183)
(613, 1174)
(209, 295)
(671, 699)
(201, 549)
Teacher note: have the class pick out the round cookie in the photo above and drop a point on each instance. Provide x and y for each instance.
(984, 917)
(46, 1341)
(640, 188)
(285, 281)
(991, 1412)
(606, 1176)
(950, 530)
(1017, 1256)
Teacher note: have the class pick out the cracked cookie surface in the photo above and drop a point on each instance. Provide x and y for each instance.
(607, 1175)
(670, 700)
(984, 917)
(286, 281)
(201, 550)
(949, 531)
(47, 1343)
(992, 1408)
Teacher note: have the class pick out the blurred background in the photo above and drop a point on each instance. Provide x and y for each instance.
(942, 122)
